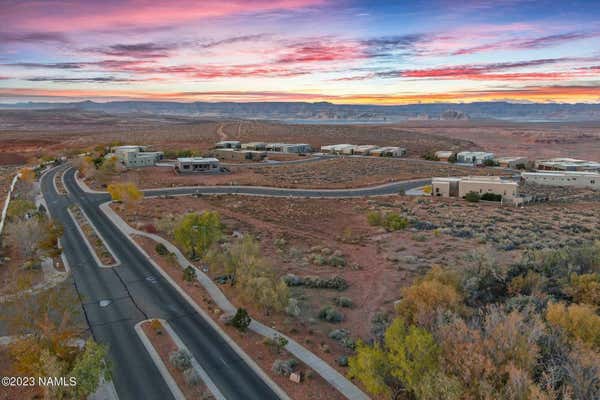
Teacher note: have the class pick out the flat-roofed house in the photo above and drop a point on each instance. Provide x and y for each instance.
(365, 149)
(445, 187)
(579, 179)
(338, 149)
(133, 156)
(254, 146)
(488, 184)
(460, 186)
(567, 164)
(473, 157)
(228, 144)
(389, 151)
(197, 165)
(239, 155)
(289, 147)
(512, 162)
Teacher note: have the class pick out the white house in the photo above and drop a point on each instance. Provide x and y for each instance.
(473, 157)
(135, 156)
(579, 179)
(197, 165)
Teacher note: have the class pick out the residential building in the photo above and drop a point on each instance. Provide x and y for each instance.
(580, 179)
(444, 155)
(459, 187)
(473, 157)
(365, 149)
(389, 151)
(239, 155)
(338, 149)
(512, 162)
(289, 147)
(197, 165)
(135, 156)
(567, 164)
(445, 187)
(254, 146)
(228, 144)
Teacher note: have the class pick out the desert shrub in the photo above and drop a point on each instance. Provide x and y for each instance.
(491, 197)
(292, 280)
(180, 359)
(342, 301)
(584, 288)
(161, 249)
(330, 314)
(430, 155)
(490, 163)
(293, 308)
(472, 197)
(189, 274)
(241, 320)
(284, 367)
(375, 218)
(18, 208)
(339, 334)
(578, 321)
(275, 343)
(192, 377)
(395, 222)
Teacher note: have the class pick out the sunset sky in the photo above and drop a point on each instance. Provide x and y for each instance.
(372, 52)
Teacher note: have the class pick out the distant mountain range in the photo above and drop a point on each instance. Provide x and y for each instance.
(323, 112)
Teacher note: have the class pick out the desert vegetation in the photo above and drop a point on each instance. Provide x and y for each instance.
(492, 331)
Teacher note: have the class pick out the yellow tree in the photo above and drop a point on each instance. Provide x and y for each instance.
(127, 193)
(27, 175)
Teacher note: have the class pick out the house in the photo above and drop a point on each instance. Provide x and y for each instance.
(389, 151)
(289, 147)
(338, 149)
(488, 184)
(239, 155)
(254, 146)
(135, 156)
(567, 164)
(579, 179)
(228, 144)
(365, 149)
(459, 187)
(444, 155)
(512, 162)
(197, 165)
(445, 187)
(473, 157)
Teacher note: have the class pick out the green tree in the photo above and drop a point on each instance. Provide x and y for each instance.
(241, 320)
(472, 197)
(89, 368)
(196, 232)
(17, 208)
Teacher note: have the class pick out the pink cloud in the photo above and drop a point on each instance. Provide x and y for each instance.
(73, 15)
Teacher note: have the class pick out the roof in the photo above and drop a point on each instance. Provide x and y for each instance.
(561, 173)
(197, 159)
(510, 158)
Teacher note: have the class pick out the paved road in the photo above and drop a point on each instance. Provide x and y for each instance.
(382, 190)
(137, 292)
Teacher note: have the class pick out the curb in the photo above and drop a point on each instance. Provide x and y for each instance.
(89, 245)
(207, 381)
(162, 368)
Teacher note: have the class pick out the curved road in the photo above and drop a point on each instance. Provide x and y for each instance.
(138, 292)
